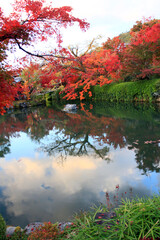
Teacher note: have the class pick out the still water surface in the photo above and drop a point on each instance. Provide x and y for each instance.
(54, 163)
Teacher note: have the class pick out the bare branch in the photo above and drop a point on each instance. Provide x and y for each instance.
(42, 55)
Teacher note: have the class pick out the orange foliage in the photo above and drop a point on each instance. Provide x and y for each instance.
(114, 61)
(74, 72)
(77, 73)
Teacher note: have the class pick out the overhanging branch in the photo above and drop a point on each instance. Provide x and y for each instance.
(42, 55)
(30, 53)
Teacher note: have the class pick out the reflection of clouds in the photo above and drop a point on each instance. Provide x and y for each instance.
(39, 187)
(158, 182)
(77, 171)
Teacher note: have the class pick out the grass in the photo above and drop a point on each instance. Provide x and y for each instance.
(136, 219)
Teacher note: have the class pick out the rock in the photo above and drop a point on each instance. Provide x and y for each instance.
(11, 229)
(100, 217)
(156, 94)
(32, 227)
(23, 105)
(62, 225)
(71, 108)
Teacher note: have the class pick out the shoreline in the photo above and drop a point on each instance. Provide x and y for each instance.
(132, 219)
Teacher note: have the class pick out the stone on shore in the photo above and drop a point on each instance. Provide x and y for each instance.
(32, 227)
(11, 230)
(70, 108)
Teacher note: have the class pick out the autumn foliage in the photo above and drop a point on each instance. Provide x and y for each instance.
(7, 91)
(83, 71)
(141, 58)
(96, 68)
(114, 61)
(29, 22)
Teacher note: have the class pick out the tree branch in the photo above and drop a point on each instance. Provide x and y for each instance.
(42, 55)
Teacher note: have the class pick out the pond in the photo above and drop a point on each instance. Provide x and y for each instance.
(55, 163)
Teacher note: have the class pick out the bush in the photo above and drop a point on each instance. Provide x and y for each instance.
(127, 91)
(47, 232)
(2, 228)
(18, 235)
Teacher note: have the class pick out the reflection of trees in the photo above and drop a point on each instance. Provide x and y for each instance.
(76, 145)
(87, 133)
(31, 121)
(83, 134)
(8, 128)
(143, 137)
(148, 157)
(4, 146)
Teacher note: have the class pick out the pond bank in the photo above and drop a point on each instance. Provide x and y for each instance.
(139, 91)
(134, 219)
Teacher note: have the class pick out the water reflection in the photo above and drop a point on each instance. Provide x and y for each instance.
(44, 190)
(54, 163)
(89, 133)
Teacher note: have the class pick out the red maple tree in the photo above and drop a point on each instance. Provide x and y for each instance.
(141, 57)
(31, 21)
(77, 73)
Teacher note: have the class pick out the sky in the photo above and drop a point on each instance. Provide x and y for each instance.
(107, 18)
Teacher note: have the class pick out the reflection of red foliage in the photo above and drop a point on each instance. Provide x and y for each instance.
(12, 126)
(38, 124)
(103, 129)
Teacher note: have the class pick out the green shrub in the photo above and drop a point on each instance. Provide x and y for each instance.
(127, 91)
(2, 228)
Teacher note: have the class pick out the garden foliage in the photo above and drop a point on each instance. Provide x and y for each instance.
(30, 21)
(115, 61)
(2, 228)
(69, 69)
